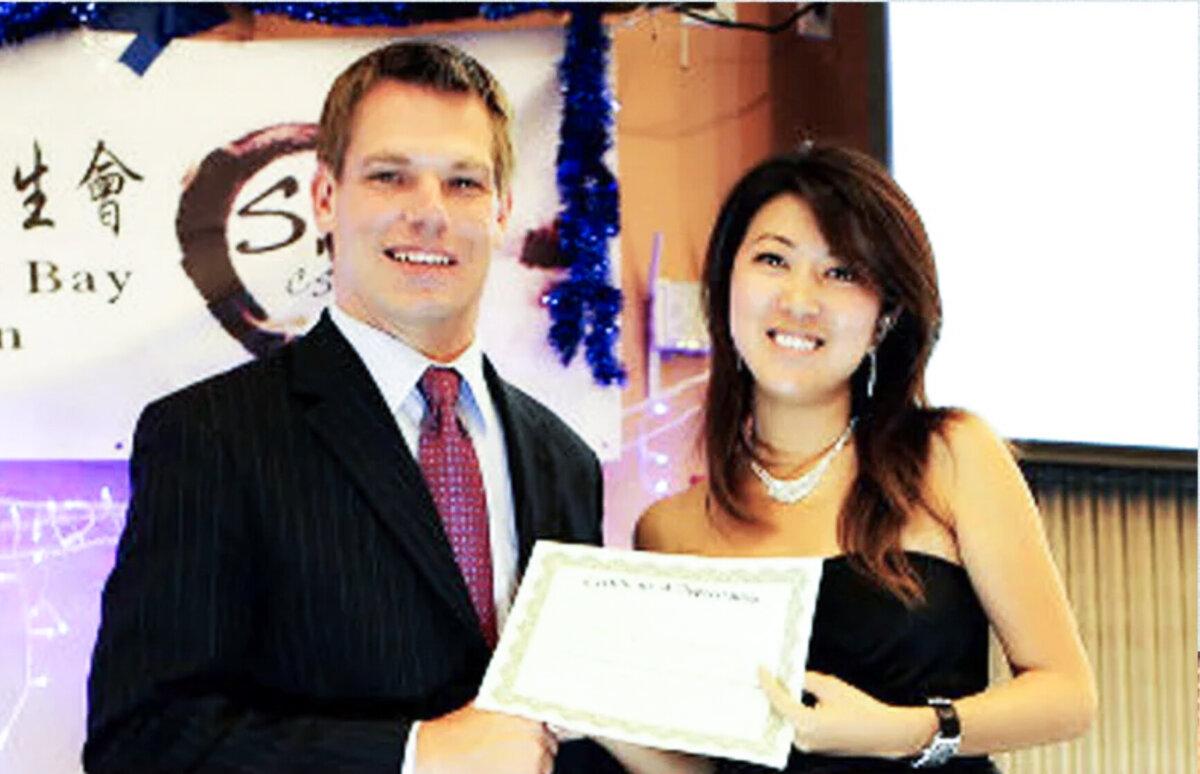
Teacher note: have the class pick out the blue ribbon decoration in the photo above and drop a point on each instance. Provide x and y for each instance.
(156, 25)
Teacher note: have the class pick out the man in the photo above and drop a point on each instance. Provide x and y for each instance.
(322, 545)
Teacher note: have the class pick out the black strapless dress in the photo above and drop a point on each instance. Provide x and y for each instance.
(867, 637)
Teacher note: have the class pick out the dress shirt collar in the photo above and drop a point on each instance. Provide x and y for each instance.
(396, 367)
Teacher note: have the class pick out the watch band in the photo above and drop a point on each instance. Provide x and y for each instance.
(944, 744)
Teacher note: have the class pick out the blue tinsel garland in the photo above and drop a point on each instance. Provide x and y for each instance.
(584, 307)
(394, 14)
(21, 21)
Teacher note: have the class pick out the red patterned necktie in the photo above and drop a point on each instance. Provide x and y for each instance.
(452, 473)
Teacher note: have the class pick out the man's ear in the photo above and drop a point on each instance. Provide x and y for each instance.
(505, 209)
(324, 198)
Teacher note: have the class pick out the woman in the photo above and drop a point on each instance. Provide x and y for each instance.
(823, 310)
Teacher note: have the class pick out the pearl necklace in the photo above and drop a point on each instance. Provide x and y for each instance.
(793, 490)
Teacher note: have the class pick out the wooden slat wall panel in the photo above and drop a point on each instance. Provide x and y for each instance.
(1125, 542)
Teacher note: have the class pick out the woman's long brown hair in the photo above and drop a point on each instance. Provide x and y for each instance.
(869, 222)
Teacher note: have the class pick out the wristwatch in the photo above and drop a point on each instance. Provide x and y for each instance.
(945, 742)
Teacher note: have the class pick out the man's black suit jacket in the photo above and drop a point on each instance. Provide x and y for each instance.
(284, 597)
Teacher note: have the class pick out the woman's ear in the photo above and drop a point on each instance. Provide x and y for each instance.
(885, 323)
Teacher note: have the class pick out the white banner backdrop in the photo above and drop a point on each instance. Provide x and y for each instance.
(158, 229)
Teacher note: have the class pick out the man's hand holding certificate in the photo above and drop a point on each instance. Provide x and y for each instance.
(660, 650)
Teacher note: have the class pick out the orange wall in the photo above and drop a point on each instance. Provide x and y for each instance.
(700, 105)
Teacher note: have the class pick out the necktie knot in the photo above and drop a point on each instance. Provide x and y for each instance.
(439, 387)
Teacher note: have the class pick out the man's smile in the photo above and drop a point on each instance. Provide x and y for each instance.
(418, 257)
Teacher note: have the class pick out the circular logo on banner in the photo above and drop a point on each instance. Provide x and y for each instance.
(248, 244)
(250, 247)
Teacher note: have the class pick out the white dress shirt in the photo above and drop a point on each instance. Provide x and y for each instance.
(396, 369)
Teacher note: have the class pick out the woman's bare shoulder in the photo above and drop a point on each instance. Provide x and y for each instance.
(970, 465)
(672, 523)
(965, 440)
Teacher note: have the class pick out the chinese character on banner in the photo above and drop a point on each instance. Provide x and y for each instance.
(105, 179)
(35, 202)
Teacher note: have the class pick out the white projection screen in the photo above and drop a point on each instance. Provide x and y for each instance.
(1051, 149)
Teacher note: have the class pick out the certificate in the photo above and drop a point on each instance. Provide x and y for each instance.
(661, 650)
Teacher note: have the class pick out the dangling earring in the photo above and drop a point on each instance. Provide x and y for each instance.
(884, 325)
(871, 374)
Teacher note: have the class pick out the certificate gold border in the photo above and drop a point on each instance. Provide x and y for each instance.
(629, 563)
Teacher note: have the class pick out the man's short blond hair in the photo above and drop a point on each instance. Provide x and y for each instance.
(428, 63)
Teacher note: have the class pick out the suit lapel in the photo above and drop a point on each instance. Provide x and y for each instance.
(348, 414)
(529, 468)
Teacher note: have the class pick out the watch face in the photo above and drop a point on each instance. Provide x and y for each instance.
(945, 742)
(939, 751)
(944, 749)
